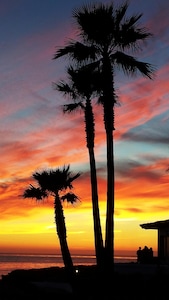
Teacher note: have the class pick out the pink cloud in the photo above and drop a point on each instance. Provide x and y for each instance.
(141, 100)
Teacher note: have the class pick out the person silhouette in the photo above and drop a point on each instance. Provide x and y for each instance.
(151, 255)
(145, 255)
(139, 255)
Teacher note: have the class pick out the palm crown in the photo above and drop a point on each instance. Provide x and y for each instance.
(51, 182)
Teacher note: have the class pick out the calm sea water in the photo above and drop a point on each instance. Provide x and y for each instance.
(10, 262)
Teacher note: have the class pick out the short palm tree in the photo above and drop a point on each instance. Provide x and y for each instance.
(80, 89)
(56, 182)
(105, 35)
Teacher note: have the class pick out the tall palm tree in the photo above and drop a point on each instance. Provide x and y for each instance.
(56, 182)
(105, 36)
(80, 89)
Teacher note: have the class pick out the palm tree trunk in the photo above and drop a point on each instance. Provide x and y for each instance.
(108, 105)
(61, 231)
(96, 214)
(90, 133)
(109, 239)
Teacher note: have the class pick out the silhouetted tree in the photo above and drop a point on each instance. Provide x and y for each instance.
(56, 182)
(104, 34)
(80, 89)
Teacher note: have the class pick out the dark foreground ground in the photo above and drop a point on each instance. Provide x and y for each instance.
(129, 282)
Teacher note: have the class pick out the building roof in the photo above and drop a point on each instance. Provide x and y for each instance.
(156, 225)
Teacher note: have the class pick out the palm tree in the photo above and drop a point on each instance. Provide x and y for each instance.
(80, 89)
(56, 183)
(105, 36)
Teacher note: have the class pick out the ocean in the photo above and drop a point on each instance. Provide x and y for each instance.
(10, 262)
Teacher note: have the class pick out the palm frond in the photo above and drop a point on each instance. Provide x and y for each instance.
(70, 197)
(120, 13)
(130, 65)
(68, 108)
(71, 178)
(77, 51)
(34, 192)
(85, 82)
(65, 89)
(130, 37)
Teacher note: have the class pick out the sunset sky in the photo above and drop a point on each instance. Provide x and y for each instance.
(35, 134)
